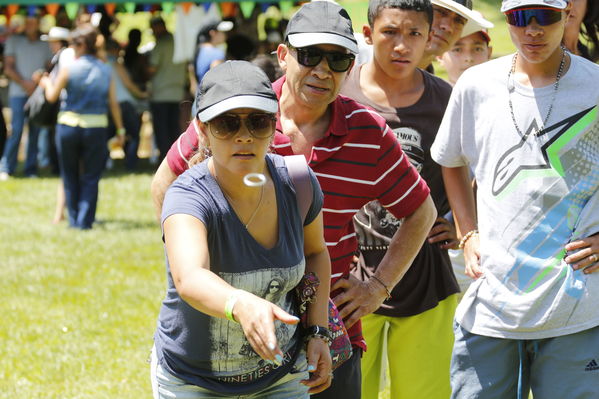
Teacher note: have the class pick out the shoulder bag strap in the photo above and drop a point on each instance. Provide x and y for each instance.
(297, 168)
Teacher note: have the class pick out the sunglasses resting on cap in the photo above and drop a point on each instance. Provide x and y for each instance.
(521, 17)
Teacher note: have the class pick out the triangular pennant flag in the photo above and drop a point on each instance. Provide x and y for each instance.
(247, 7)
(130, 7)
(228, 9)
(91, 8)
(286, 7)
(110, 7)
(52, 8)
(31, 10)
(186, 7)
(206, 6)
(72, 9)
(147, 7)
(264, 6)
(11, 10)
(168, 7)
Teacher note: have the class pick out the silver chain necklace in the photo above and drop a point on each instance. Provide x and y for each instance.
(555, 88)
(255, 210)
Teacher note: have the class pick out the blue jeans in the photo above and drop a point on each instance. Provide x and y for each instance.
(167, 386)
(82, 154)
(8, 163)
(553, 368)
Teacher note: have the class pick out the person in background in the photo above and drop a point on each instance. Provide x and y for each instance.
(468, 51)
(414, 325)
(169, 81)
(332, 132)
(583, 19)
(82, 123)
(452, 19)
(526, 126)
(127, 94)
(209, 47)
(135, 62)
(24, 54)
(234, 254)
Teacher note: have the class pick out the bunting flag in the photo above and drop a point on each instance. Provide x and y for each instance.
(207, 6)
(147, 7)
(168, 7)
(91, 8)
(228, 9)
(72, 9)
(110, 7)
(52, 8)
(286, 7)
(264, 6)
(247, 7)
(11, 10)
(186, 7)
(31, 11)
(130, 7)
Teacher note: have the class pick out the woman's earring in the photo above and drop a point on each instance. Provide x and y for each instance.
(207, 152)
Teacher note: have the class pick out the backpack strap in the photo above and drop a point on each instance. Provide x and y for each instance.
(297, 167)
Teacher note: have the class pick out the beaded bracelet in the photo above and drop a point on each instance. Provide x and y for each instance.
(468, 236)
(384, 286)
(231, 301)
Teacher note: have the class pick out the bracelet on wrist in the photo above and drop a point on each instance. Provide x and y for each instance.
(378, 280)
(121, 131)
(468, 236)
(319, 332)
(230, 304)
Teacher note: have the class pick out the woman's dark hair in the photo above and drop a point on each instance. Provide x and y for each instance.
(590, 28)
(86, 35)
(375, 7)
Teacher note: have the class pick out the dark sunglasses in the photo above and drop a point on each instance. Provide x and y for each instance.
(260, 125)
(521, 17)
(311, 56)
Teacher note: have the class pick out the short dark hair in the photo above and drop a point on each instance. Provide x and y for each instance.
(376, 6)
(86, 35)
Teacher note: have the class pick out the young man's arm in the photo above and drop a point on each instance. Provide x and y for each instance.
(163, 178)
(461, 198)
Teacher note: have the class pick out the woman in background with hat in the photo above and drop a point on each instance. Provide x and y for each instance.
(231, 228)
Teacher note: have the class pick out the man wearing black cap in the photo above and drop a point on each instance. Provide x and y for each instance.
(526, 124)
(355, 157)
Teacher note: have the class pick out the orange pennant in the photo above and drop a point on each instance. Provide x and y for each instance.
(11, 10)
(186, 7)
(110, 7)
(52, 8)
(228, 9)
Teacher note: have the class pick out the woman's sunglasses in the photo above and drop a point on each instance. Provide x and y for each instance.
(521, 17)
(260, 125)
(311, 56)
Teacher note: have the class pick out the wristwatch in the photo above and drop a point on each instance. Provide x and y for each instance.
(319, 332)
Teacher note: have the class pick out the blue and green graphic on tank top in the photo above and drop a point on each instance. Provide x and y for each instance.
(571, 165)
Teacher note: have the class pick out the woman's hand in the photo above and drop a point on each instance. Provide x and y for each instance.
(257, 317)
(319, 366)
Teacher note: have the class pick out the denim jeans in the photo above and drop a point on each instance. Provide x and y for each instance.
(165, 122)
(167, 386)
(82, 155)
(8, 163)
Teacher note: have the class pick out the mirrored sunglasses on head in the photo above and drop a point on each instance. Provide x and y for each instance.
(261, 125)
(521, 17)
(311, 56)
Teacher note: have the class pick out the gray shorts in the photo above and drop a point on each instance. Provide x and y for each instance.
(553, 368)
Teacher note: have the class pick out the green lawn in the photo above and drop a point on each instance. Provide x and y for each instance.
(79, 307)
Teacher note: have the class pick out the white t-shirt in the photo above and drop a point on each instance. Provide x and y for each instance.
(535, 194)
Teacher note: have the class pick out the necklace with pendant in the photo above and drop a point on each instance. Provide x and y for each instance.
(555, 89)
(255, 210)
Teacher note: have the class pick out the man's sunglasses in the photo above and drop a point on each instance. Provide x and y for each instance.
(311, 56)
(260, 125)
(544, 16)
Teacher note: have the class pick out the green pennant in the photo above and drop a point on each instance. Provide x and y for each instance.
(247, 7)
(285, 7)
(168, 7)
(130, 7)
(72, 10)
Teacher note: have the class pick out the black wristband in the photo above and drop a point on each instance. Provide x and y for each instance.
(319, 332)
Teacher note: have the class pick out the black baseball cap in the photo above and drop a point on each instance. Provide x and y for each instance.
(235, 84)
(321, 22)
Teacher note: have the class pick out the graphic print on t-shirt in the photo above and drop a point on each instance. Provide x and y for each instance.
(568, 163)
(233, 356)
